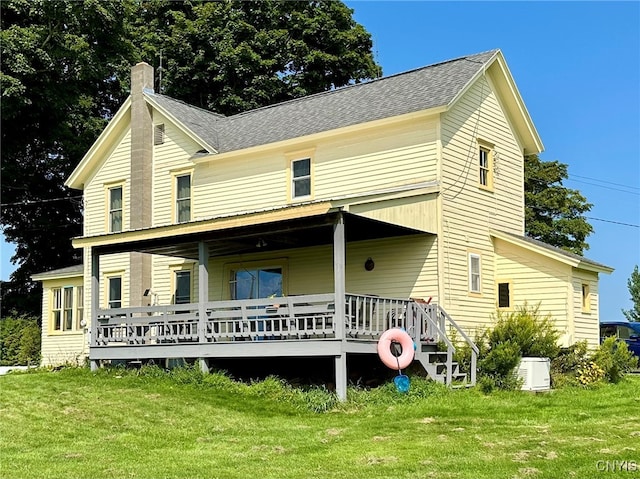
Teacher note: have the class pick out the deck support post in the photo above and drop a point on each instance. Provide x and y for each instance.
(95, 303)
(339, 246)
(204, 366)
(339, 288)
(203, 296)
(341, 376)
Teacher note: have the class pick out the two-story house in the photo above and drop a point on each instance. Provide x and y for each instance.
(309, 227)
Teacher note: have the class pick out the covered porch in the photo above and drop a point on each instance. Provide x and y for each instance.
(330, 324)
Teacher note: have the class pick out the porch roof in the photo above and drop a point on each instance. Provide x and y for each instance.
(296, 226)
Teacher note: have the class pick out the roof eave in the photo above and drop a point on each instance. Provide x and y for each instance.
(300, 141)
(79, 175)
(531, 140)
(583, 263)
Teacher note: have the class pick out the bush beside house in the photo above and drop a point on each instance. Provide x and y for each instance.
(19, 340)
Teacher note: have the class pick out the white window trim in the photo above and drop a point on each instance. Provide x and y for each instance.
(471, 257)
(282, 263)
(175, 269)
(107, 277)
(292, 157)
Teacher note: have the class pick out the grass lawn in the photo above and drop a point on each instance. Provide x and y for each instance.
(115, 424)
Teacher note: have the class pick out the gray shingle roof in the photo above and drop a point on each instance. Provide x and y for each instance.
(416, 90)
(74, 270)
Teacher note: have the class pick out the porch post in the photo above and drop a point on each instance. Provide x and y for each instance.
(95, 303)
(203, 293)
(339, 245)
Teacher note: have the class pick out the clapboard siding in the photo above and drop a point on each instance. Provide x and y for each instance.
(163, 284)
(468, 211)
(586, 322)
(537, 280)
(404, 267)
(380, 159)
(115, 168)
(171, 156)
(59, 347)
(234, 185)
(383, 158)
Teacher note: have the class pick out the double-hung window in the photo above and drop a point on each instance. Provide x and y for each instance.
(484, 156)
(475, 285)
(301, 178)
(115, 209)
(183, 198)
(114, 298)
(182, 294)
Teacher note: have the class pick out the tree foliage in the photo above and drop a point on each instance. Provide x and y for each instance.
(65, 71)
(230, 57)
(554, 214)
(19, 340)
(633, 283)
(59, 80)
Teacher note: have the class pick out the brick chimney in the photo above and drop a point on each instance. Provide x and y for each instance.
(140, 188)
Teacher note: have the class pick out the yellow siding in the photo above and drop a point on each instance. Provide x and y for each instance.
(168, 157)
(233, 185)
(383, 158)
(115, 168)
(469, 211)
(404, 267)
(379, 159)
(164, 268)
(536, 279)
(586, 322)
(60, 347)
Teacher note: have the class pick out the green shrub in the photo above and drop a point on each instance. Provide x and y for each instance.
(534, 334)
(521, 333)
(565, 366)
(20, 338)
(615, 359)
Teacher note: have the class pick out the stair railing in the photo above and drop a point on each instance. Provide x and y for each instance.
(432, 320)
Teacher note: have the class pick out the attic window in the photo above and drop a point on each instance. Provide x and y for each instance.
(158, 134)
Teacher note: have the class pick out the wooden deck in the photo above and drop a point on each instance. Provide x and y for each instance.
(291, 326)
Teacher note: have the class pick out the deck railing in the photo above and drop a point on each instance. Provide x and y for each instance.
(365, 318)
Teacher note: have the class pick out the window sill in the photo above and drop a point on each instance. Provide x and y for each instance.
(65, 333)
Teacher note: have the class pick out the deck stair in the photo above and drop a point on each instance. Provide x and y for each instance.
(436, 351)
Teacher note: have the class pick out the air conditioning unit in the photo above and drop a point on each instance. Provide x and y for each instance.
(535, 374)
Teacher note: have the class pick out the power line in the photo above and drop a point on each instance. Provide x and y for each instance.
(637, 193)
(614, 222)
(35, 202)
(608, 182)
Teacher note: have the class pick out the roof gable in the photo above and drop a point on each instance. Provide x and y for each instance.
(437, 86)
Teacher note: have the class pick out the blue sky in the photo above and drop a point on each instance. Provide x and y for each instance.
(577, 66)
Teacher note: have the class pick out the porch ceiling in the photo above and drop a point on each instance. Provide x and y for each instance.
(272, 236)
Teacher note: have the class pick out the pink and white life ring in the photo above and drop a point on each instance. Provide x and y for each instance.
(396, 335)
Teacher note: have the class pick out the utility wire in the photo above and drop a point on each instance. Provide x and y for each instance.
(608, 182)
(35, 202)
(614, 222)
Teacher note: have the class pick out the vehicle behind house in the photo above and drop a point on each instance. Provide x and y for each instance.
(626, 331)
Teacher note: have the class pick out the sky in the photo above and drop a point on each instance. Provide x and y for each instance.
(577, 67)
